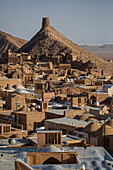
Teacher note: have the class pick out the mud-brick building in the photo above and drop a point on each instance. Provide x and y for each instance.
(69, 89)
(12, 81)
(29, 120)
(79, 158)
(45, 158)
(59, 113)
(47, 96)
(67, 125)
(65, 66)
(17, 58)
(98, 83)
(99, 112)
(78, 100)
(6, 131)
(70, 57)
(46, 65)
(15, 102)
(84, 80)
(108, 89)
(98, 134)
(101, 137)
(99, 97)
(48, 138)
(40, 87)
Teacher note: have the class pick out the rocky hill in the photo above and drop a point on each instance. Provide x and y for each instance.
(7, 41)
(50, 41)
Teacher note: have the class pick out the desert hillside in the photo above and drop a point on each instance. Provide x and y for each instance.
(8, 41)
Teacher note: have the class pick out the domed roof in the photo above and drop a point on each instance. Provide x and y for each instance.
(9, 87)
(108, 130)
(21, 91)
(86, 116)
(92, 119)
(18, 86)
(92, 127)
(2, 89)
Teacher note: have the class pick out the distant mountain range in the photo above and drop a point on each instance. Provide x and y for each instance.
(8, 41)
(104, 51)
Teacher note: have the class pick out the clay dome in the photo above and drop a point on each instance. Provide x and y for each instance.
(9, 87)
(18, 86)
(92, 127)
(92, 119)
(100, 131)
(2, 89)
(85, 116)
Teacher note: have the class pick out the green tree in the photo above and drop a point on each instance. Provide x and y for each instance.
(37, 55)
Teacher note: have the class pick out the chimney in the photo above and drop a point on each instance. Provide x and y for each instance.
(85, 147)
(45, 22)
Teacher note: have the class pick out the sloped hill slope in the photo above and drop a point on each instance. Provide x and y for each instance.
(7, 41)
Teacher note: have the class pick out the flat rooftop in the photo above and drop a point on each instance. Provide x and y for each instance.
(96, 158)
(49, 131)
(5, 112)
(18, 142)
(60, 111)
(11, 154)
(70, 138)
(65, 138)
(68, 121)
(28, 112)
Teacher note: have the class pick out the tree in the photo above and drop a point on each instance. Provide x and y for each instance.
(37, 55)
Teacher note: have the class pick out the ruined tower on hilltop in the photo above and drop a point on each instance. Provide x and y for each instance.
(45, 22)
(50, 41)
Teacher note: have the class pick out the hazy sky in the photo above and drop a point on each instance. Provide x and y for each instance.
(82, 21)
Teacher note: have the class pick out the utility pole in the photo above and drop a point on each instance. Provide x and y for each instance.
(85, 104)
(111, 107)
(105, 130)
(17, 119)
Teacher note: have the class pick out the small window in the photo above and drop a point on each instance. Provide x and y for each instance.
(7, 129)
(45, 106)
(4, 129)
(79, 100)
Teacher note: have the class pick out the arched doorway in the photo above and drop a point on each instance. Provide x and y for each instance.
(52, 160)
(92, 99)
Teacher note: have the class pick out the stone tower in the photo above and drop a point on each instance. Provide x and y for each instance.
(45, 22)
